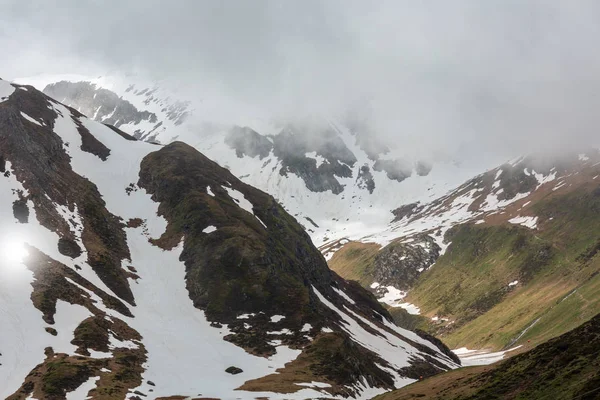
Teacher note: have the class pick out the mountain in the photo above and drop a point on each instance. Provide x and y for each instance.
(138, 270)
(567, 367)
(509, 258)
(329, 172)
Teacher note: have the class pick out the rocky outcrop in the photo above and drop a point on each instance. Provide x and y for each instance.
(248, 142)
(400, 264)
(365, 179)
(101, 104)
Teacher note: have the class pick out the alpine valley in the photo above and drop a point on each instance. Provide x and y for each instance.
(150, 252)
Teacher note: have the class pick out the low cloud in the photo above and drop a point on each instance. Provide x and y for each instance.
(499, 77)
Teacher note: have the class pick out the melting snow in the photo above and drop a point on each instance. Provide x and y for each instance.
(385, 344)
(277, 318)
(480, 357)
(320, 160)
(284, 331)
(583, 157)
(81, 393)
(314, 384)
(209, 191)
(513, 283)
(209, 229)
(344, 295)
(410, 308)
(529, 222)
(392, 296)
(30, 119)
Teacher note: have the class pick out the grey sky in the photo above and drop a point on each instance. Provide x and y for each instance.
(493, 75)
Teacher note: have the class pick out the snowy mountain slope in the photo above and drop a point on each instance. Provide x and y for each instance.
(131, 269)
(489, 261)
(324, 171)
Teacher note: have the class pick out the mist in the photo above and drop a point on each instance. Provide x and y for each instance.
(479, 78)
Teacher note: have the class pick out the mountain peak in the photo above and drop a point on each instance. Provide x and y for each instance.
(143, 269)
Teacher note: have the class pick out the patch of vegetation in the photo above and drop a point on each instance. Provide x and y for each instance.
(331, 358)
(355, 261)
(62, 377)
(409, 321)
(92, 333)
(469, 284)
(566, 367)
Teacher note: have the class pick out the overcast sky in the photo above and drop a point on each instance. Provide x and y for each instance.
(507, 76)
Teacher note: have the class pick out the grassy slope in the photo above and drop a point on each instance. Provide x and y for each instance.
(469, 283)
(354, 261)
(566, 367)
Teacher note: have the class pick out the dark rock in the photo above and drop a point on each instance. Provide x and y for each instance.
(51, 331)
(21, 211)
(69, 248)
(406, 211)
(247, 142)
(398, 264)
(103, 104)
(234, 370)
(365, 179)
(291, 148)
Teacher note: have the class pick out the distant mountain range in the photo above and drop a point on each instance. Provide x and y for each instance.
(330, 175)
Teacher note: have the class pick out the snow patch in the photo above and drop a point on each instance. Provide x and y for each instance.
(81, 393)
(529, 222)
(480, 357)
(209, 229)
(277, 318)
(392, 296)
(314, 384)
(344, 295)
(30, 119)
(583, 157)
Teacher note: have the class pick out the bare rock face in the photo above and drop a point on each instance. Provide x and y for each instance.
(248, 142)
(400, 264)
(100, 103)
(365, 179)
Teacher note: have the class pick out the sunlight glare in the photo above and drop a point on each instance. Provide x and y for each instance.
(12, 253)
